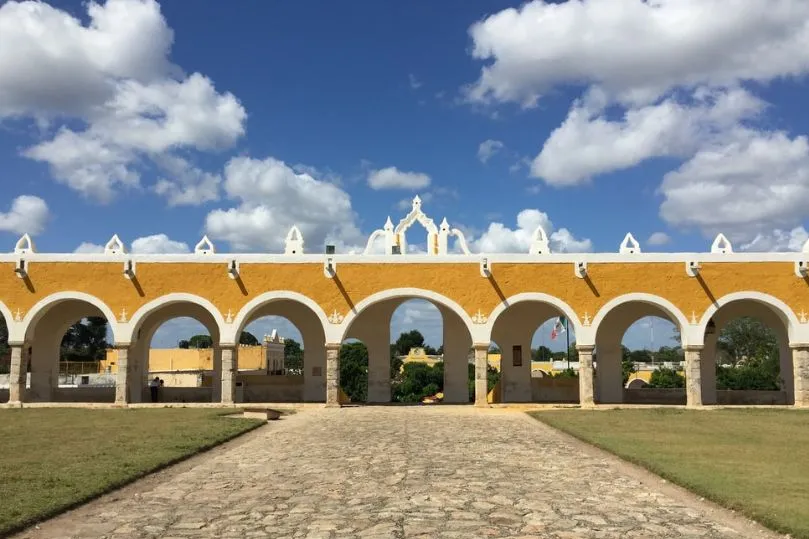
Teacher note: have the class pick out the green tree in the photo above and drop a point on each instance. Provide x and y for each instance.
(293, 356)
(85, 340)
(183, 344)
(746, 338)
(200, 341)
(664, 377)
(354, 371)
(492, 375)
(543, 353)
(419, 380)
(408, 340)
(669, 354)
(248, 339)
(4, 349)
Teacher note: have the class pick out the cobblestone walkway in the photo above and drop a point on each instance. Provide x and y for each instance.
(432, 472)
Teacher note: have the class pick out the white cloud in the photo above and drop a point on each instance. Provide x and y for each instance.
(113, 78)
(414, 82)
(28, 215)
(488, 148)
(421, 315)
(393, 178)
(658, 238)
(755, 184)
(778, 240)
(636, 51)
(498, 238)
(89, 248)
(273, 197)
(158, 244)
(587, 143)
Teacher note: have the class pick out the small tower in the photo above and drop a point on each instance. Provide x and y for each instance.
(294, 242)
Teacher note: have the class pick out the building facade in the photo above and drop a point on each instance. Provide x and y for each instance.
(331, 297)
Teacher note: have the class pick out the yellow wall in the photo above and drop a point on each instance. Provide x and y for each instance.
(180, 359)
(461, 282)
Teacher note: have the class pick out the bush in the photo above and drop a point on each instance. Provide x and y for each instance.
(665, 378)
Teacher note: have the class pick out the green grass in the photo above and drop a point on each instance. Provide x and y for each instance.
(752, 461)
(53, 459)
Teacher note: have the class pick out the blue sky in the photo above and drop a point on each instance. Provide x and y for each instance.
(673, 121)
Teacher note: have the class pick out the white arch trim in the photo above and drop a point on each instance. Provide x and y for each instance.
(41, 307)
(665, 305)
(172, 299)
(553, 301)
(231, 332)
(781, 309)
(406, 294)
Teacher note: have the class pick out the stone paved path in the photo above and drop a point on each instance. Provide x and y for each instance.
(431, 472)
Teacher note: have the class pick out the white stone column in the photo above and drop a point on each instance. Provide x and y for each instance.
(44, 360)
(379, 387)
(515, 380)
(333, 374)
(585, 375)
(18, 374)
(216, 377)
(481, 374)
(787, 368)
(800, 366)
(314, 370)
(457, 344)
(610, 376)
(123, 377)
(708, 369)
(693, 380)
(230, 367)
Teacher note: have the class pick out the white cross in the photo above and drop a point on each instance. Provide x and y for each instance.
(803, 317)
(693, 318)
(123, 316)
(335, 317)
(586, 318)
(229, 317)
(479, 318)
(18, 316)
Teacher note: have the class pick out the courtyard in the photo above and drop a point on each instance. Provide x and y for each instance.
(444, 471)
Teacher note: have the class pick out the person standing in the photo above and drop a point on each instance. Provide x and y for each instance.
(154, 385)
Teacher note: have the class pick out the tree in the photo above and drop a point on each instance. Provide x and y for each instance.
(543, 353)
(293, 356)
(492, 375)
(248, 339)
(408, 340)
(200, 341)
(354, 371)
(430, 351)
(4, 349)
(85, 340)
(419, 380)
(664, 377)
(183, 344)
(746, 338)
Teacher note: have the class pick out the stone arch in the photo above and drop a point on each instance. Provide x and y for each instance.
(143, 313)
(636, 383)
(673, 312)
(231, 332)
(44, 305)
(779, 308)
(9, 318)
(439, 300)
(561, 306)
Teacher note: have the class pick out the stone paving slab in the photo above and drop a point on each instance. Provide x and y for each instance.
(400, 472)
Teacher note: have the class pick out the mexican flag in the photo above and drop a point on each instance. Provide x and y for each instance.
(559, 327)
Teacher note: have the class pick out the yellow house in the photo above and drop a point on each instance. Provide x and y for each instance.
(190, 359)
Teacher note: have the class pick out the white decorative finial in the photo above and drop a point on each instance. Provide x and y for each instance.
(294, 242)
(630, 245)
(803, 316)
(539, 242)
(388, 224)
(335, 317)
(115, 246)
(805, 247)
(721, 245)
(122, 318)
(204, 247)
(479, 318)
(416, 202)
(586, 321)
(694, 318)
(444, 224)
(229, 317)
(18, 316)
(24, 245)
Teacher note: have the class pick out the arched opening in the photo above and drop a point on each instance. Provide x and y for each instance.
(414, 348)
(538, 361)
(746, 358)
(5, 355)
(66, 341)
(289, 362)
(639, 340)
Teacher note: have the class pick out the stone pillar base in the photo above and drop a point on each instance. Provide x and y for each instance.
(333, 375)
(481, 375)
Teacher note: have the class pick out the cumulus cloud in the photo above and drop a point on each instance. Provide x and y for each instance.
(743, 188)
(588, 144)
(658, 238)
(115, 97)
(272, 198)
(651, 48)
(778, 240)
(393, 178)
(499, 238)
(28, 215)
(147, 245)
(488, 148)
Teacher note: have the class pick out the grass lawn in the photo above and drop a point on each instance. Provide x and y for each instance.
(54, 458)
(753, 461)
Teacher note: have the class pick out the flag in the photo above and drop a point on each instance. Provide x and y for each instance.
(559, 327)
